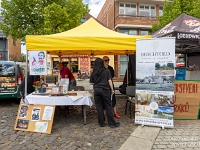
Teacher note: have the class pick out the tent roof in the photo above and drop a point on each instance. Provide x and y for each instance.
(182, 24)
(90, 38)
(186, 29)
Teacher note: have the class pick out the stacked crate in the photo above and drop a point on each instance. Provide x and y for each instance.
(180, 73)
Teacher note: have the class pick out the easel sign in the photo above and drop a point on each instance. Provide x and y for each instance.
(35, 118)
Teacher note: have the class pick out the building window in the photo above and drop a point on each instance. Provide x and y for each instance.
(146, 10)
(123, 64)
(129, 31)
(83, 20)
(127, 9)
(160, 10)
(144, 32)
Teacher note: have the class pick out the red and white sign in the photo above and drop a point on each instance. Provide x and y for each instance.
(192, 22)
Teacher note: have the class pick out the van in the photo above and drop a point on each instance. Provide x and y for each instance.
(11, 77)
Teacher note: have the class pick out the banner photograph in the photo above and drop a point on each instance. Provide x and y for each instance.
(155, 67)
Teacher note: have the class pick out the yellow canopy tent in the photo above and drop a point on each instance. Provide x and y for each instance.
(90, 38)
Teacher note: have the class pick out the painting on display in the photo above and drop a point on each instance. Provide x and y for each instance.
(155, 67)
(84, 64)
(38, 63)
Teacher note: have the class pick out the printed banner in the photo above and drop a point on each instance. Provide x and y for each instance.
(37, 62)
(155, 67)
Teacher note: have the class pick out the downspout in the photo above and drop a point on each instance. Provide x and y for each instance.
(107, 19)
(114, 14)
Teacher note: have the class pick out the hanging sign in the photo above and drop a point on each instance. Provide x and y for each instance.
(155, 65)
(37, 62)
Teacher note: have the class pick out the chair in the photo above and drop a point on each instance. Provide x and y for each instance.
(130, 92)
(77, 88)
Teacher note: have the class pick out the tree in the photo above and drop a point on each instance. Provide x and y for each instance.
(157, 66)
(172, 9)
(39, 17)
(170, 65)
(23, 57)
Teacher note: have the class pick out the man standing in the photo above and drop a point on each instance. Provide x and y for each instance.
(106, 62)
(66, 73)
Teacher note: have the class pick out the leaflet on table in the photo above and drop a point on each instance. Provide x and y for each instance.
(74, 98)
(48, 111)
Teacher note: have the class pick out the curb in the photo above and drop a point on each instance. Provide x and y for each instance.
(142, 138)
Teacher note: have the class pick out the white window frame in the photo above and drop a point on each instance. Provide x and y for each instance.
(125, 62)
(150, 15)
(162, 10)
(129, 31)
(144, 30)
(127, 7)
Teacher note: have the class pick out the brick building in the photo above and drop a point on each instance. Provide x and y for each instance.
(133, 17)
(9, 49)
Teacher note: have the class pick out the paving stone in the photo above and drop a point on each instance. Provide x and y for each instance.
(161, 146)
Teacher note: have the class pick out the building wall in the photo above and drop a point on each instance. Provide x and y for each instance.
(110, 17)
(14, 49)
(106, 15)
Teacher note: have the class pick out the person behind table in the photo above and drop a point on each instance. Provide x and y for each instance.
(102, 84)
(66, 73)
(106, 62)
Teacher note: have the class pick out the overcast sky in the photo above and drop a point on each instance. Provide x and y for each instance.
(94, 6)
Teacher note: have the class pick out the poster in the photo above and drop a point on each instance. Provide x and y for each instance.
(155, 67)
(48, 111)
(35, 114)
(41, 127)
(22, 124)
(23, 111)
(37, 62)
(84, 64)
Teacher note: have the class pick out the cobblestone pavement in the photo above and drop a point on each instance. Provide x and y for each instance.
(184, 136)
(67, 133)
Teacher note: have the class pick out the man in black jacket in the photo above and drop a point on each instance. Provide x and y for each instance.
(106, 64)
(30, 80)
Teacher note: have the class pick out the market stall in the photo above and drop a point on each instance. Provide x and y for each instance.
(90, 38)
(186, 29)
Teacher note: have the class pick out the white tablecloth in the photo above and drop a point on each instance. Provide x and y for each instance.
(59, 100)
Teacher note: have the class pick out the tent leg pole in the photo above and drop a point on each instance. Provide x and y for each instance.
(26, 75)
(127, 68)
